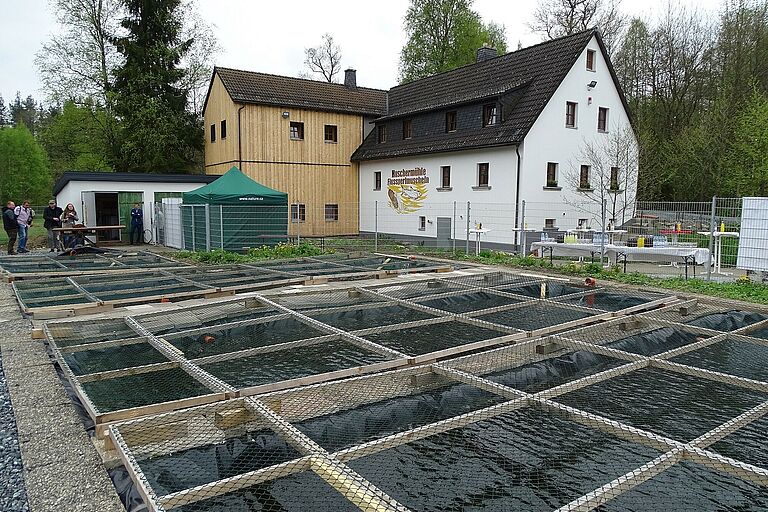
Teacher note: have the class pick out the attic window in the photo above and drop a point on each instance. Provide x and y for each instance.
(213, 133)
(382, 133)
(407, 129)
(224, 129)
(591, 60)
(490, 114)
(450, 121)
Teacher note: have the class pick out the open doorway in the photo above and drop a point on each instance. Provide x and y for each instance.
(107, 214)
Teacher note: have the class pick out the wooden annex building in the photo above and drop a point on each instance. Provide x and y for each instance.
(295, 136)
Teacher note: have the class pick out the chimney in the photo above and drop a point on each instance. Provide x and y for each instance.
(350, 78)
(485, 53)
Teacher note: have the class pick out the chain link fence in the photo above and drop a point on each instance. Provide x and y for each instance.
(663, 238)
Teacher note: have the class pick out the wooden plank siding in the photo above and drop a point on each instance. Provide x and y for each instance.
(311, 171)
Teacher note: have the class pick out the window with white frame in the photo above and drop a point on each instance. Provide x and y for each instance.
(549, 224)
(552, 174)
(591, 60)
(331, 212)
(602, 119)
(570, 114)
(584, 177)
(298, 213)
(422, 223)
(483, 172)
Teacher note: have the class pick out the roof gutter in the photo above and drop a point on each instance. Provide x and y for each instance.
(239, 139)
(517, 193)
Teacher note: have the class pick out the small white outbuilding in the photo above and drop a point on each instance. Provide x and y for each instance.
(106, 198)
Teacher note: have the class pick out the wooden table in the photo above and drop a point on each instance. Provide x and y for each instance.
(84, 231)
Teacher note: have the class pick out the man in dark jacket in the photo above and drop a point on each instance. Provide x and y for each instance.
(137, 223)
(52, 215)
(10, 225)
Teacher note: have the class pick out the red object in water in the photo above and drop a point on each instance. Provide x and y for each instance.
(590, 282)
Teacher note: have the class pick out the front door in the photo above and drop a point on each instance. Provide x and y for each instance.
(444, 232)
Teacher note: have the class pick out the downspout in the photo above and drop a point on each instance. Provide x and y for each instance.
(517, 192)
(239, 138)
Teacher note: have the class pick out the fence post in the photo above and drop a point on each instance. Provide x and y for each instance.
(712, 229)
(192, 209)
(521, 227)
(467, 247)
(602, 228)
(298, 223)
(208, 228)
(221, 225)
(453, 224)
(375, 226)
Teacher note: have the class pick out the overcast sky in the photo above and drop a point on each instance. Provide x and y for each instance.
(270, 36)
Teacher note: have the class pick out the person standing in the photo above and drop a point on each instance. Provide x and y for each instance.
(69, 220)
(52, 215)
(137, 223)
(24, 216)
(10, 226)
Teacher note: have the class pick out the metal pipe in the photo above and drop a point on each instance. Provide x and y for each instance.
(467, 248)
(712, 229)
(239, 139)
(517, 191)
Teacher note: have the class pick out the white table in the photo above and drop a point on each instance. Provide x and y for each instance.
(579, 250)
(623, 253)
(689, 255)
(478, 232)
(718, 255)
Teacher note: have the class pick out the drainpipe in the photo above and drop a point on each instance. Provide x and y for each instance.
(239, 138)
(517, 192)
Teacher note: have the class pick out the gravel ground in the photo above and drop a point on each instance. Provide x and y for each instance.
(13, 493)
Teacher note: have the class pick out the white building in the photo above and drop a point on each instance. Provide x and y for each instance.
(106, 199)
(504, 130)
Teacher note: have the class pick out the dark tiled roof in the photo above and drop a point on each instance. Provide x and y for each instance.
(133, 177)
(535, 72)
(284, 91)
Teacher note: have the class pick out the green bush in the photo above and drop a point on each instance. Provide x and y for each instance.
(276, 252)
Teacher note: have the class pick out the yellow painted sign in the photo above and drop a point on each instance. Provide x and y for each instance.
(407, 189)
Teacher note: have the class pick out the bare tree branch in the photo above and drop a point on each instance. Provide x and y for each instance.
(324, 60)
(557, 18)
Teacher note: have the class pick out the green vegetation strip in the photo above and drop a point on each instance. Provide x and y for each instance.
(276, 252)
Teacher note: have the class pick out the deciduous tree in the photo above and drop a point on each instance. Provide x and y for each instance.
(23, 167)
(443, 35)
(557, 18)
(324, 60)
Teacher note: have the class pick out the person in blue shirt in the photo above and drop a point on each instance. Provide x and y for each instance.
(137, 223)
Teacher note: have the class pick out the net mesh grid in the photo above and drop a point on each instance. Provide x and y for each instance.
(108, 261)
(575, 420)
(156, 283)
(247, 345)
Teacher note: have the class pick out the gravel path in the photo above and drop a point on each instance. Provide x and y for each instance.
(13, 494)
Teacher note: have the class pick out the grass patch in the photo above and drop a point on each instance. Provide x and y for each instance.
(276, 252)
(38, 237)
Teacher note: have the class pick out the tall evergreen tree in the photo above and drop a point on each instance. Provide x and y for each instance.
(4, 117)
(157, 133)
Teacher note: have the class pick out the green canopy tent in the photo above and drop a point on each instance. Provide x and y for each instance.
(235, 212)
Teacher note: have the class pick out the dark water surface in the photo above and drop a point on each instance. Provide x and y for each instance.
(291, 364)
(689, 487)
(526, 460)
(667, 403)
